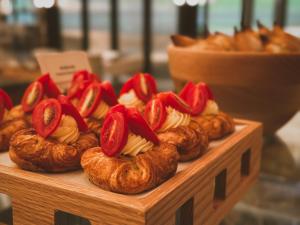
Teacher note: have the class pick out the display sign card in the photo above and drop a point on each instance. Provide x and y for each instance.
(62, 65)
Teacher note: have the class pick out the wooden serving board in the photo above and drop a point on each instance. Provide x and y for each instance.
(201, 192)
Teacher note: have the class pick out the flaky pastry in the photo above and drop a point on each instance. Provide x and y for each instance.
(94, 125)
(32, 152)
(130, 175)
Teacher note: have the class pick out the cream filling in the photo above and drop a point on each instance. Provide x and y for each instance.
(130, 99)
(101, 110)
(136, 144)
(211, 108)
(175, 119)
(67, 131)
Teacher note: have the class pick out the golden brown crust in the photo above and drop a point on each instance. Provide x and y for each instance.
(216, 126)
(18, 113)
(191, 141)
(94, 125)
(131, 175)
(32, 152)
(7, 129)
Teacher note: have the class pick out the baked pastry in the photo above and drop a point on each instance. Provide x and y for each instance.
(57, 141)
(95, 103)
(131, 159)
(137, 91)
(205, 110)
(8, 124)
(170, 118)
(80, 81)
(43, 87)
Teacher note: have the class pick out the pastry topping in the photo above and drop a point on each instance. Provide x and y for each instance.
(171, 99)
(136, 144)
(101, 111)
(5, 104)
(155, 114)
(130, 99)
(46, 117)
(211, 108)
(109, 95)
(90, 99)
(127, 87)
(114, 133)
(32, 96)
(144, 86)
(209, 93)
(50, 88)
(175, 119)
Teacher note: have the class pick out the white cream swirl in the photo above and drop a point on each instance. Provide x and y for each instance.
(211, 108)
(130, 99)
(136, 144)
(101, 111)
(67, 131)
(175, 119)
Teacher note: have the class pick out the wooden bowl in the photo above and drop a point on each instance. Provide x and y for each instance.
(258, 86)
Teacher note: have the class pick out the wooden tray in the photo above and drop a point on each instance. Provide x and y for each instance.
(201, 192)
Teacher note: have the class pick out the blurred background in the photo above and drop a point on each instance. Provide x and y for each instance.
(127, 36)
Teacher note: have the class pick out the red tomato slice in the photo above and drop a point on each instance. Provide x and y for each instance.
(144, 86)
(171, 99)
(208, 90)
(114, 134)
(2, 109)
(90, 99)
(6, 99)
(139, 126)
(187, 90)
(155, 113)
(109, 95)
(51, 89)
(127, 86)
(70, 110)
(46, 116)
(118, 108)
(32, 96)
(81, 75)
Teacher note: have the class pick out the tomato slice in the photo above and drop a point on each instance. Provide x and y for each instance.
(47, 116)
(118, 108)
(69, 109)
(51, 89)
(155, 113)
(90, 99)
(207, 90)
(144, 86)
(139, 126)
(109, 95)
(187, 90)
(127, 86)
(6, 99)
(171, 99)
(32, 96)
(197, 100)
(114, 133)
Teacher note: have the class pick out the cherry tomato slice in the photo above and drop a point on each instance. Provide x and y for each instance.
(127, 86)
(118, 108)
(208, 91)
(69, 109)
(51, 89)
(114, 134)
(109, 95)
(32, 96)
(139, 126)
(90, 99)
(6, 99)
(144, 86)
(197, 100)
(155, 113)
(171, 99)
(47, 116)
(187, 90)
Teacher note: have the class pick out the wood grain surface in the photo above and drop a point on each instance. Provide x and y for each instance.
(201, 192)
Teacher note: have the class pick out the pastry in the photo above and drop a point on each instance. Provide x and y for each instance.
(170, 118)
(205, 110)
(137, 91)
(80, 81)
(95, 103)
(57, 140)
(8, 123)
(131, 159)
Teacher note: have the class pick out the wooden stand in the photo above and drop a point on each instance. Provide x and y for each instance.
(201, 192)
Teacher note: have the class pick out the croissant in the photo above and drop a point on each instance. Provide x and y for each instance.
(32, 152)
(7, 129)
(216, 126)
(191, 141)
(94, 125)
(131, 175)
(17, 112)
